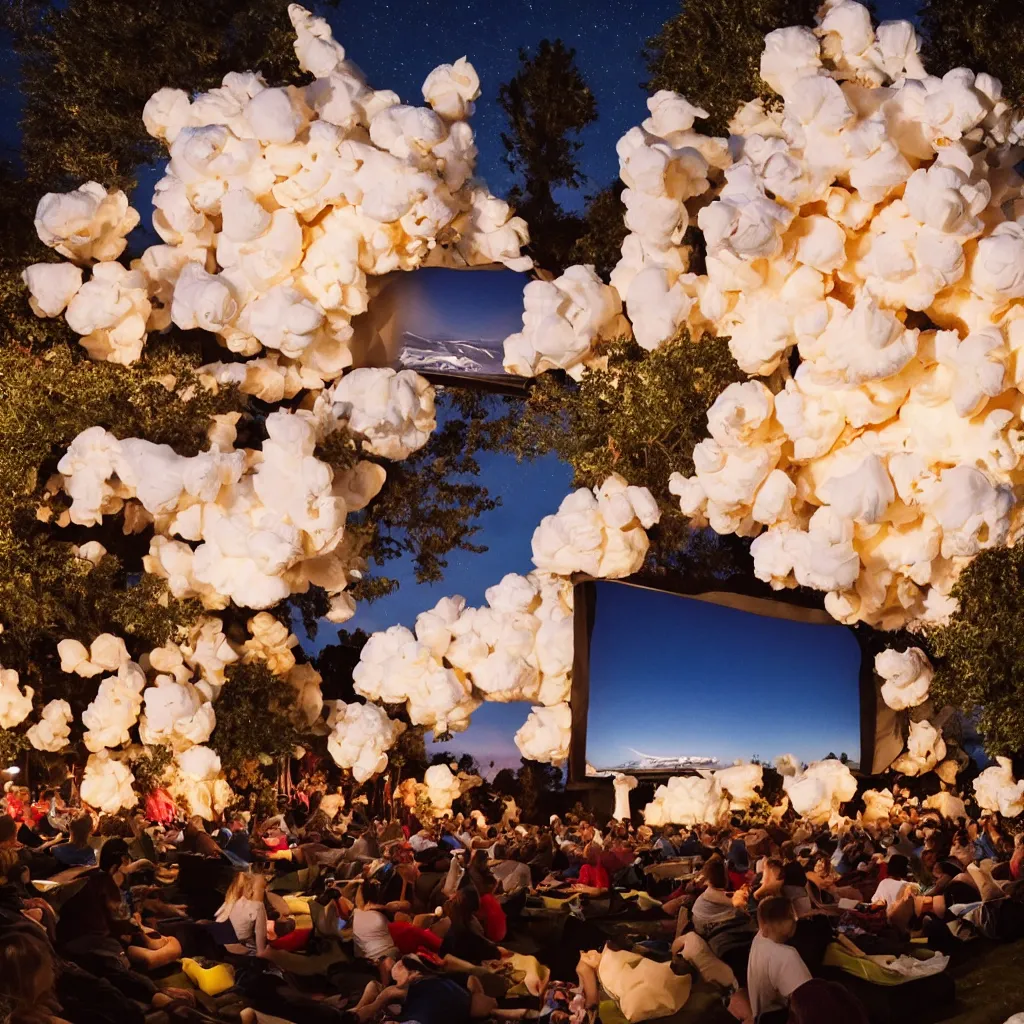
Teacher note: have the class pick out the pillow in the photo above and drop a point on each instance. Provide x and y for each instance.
(643, 989)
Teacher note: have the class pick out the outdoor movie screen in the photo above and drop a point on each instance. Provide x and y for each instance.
(677, 683)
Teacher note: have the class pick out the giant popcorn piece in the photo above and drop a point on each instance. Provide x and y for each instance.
(687, 800)
(545, 734)
(107, 784)
(15, 702)
(925, 749)
(265, 524)
(276, 206)
(52, 731)
(176, 714)
(392, 411)
(443, 788)
(115, 708)
(740, 782)
(817, 792)
(623, 786)
(195, 781)
(517, 647)
(562, 321)
(87, 225)
(601, 532)
(107, 653)
(908, 676)
(996, 789)
(360, 737)
(878, 805)
(949, 806)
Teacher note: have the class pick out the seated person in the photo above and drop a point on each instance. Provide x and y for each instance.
(593, 875)
(77, 852)
(721, 918)
(511, 874)
(371, 938)
(774, 970)
(465, 939)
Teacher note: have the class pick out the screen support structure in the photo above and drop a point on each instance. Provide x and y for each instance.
(876, 743)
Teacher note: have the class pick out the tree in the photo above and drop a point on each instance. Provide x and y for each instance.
(537, 781)
(983, 35)
(710, 52)
(547, 103)
(980, 654)
(603, 230)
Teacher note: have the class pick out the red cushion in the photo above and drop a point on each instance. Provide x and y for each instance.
(294, 942)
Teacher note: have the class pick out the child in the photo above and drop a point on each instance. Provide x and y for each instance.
(774, 971)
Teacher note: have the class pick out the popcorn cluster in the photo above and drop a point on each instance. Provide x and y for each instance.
(908, 677)
(276, 207)
(705, 798)
(517, 647)
(265, 523)
(360, 737)
(864, 256)
(996, 789)
(818, 791)
(601, 532)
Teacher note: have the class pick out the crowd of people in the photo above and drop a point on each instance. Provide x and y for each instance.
(311, 914)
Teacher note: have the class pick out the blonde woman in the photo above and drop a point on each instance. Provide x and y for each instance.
(243, 906)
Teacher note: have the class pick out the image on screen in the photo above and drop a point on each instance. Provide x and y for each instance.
(678, 683)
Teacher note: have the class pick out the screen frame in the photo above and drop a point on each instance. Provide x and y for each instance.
(873, 720)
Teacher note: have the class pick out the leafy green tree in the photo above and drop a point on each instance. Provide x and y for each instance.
(603, 231)
(537, 781)
(547, 103)
(983, 35)
(980, 654)
(710, 52)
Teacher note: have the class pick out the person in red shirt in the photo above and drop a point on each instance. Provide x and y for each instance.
(592, 874)
(491, 915)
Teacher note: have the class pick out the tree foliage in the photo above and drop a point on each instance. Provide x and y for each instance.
(710, 52)
(547, 103)
(983, 35)
(980, 654)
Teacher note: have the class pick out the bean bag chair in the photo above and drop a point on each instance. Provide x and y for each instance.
(297, 904)
(210, 980)
(410, 939)
(696, 952)
(642, 989)
(297, 939)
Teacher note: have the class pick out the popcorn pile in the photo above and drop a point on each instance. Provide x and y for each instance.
(517, 647)
(276, 207)
(864, 255)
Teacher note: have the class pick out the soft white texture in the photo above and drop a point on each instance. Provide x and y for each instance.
(545, 734)
(196, 782)
(925, 749)
(360, 737)
(107, 784)
(114, 709)
(602, 532)
(15, 701)
(877, 806)
(908, 676)
(623, 786)
(87, 225)
(817, 792)
(996, 789)
(51, 286)
(52, 731)
(741, 783)
(687, 800)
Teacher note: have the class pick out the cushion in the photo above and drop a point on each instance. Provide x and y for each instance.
(210, 980)
(642, 988)
(297, 940)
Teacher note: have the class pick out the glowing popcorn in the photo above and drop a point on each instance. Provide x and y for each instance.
(623, 786)
(740, 782)
(87, 225)
(996, 789)
(925, 749)
(817, 792)
(544, 736)
(360, 737)
(687, 800)
(908, 676)
(450, 89)
(115, 708)
(111, 311)
(272, 642)
(195, 781)
(305, 683)
(600, 532)
(51, 286)
(878, 805)
(949, 806)
(562, 320)
(107, 653)
(392, 411)
(443, 788)
(53, 730)
(15, 702)
(107, 784)
(176, 715)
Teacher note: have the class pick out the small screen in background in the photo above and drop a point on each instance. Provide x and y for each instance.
(698, 685)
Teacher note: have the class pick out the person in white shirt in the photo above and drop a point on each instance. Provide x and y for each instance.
(243, 906)
(511, 874)
(774, 971)
(901, 898)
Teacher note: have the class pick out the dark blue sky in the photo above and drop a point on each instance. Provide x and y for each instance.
(672, 676)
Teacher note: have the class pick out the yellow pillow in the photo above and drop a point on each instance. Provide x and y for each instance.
(298, 904)
(209, 980)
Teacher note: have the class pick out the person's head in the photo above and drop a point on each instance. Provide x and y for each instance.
(8, 829)
(26, 971)
(794, 873)
(898, 866)
(236, 823)
(776, 918)
(715, 875)
(114, 856)
(822, 865)
(372, 892)
(787, 851)
(772, 870)
(47, 794)
(80, 830)
(591, 853)
(500, 851)
(461, 908)
(409, 969)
